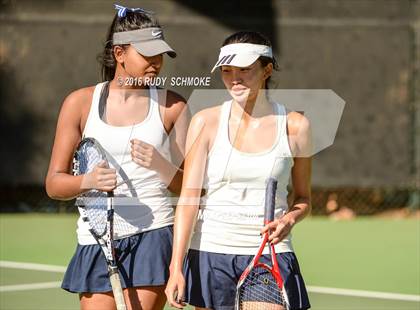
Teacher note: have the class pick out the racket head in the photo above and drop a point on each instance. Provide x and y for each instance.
(259, 290)
(93, 204)
(260, 285)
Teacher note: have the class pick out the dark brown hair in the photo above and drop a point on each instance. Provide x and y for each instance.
(131, 21)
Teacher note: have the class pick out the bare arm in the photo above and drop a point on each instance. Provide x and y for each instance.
(186, 211)
(178, 135)
(300, 130)
(300, 141)
(301, 179)
(60, 184)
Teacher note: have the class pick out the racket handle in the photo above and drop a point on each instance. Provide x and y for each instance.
(114, 277)
(270, 200)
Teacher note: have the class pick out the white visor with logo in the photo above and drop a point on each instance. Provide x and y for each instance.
(242, 54)
(148, 41)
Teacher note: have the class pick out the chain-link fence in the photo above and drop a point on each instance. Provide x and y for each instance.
(350, 201)
(363, 201)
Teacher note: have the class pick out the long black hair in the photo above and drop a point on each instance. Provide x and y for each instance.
(253, 37)
(131, 21)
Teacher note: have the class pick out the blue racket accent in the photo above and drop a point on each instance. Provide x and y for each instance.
(270, 200)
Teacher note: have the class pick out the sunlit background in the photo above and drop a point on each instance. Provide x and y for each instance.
(361, 247)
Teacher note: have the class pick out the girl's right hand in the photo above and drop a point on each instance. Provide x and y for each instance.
(101, 178)
(175, 290)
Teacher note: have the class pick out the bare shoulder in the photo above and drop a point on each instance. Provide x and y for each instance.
(299, 131)
(208, 117)
(173, 98)
(174, 101)
(75, 108)
(79, 99)
(204, 125)
(297, 123)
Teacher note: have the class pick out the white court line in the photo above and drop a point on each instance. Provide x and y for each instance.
(31, 266)
(312, 289)
(358, 293)
(30, 286)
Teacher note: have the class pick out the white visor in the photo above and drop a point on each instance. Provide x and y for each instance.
(147, 41)
(242, 54)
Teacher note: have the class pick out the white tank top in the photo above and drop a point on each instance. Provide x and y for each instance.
(231, 214)
(144, 201)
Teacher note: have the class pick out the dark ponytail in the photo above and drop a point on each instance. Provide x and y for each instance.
(131, 21)
(253, 37)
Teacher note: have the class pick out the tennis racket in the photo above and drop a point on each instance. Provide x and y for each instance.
(260, 286)
(96, 209)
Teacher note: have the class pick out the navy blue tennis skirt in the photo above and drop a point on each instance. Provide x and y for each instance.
(142, 259)
(212, 277)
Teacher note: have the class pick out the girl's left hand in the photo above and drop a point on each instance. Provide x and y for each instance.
(145, 155)
(280, 228)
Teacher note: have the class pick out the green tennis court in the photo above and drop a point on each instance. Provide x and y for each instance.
(366, 263)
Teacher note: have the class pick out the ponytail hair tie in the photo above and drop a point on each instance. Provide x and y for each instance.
(122, 10)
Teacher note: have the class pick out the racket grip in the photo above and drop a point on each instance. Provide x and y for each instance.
(270, 200)
(114, 277)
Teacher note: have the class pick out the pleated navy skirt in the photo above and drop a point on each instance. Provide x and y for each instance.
(142, 259)
(212, 277)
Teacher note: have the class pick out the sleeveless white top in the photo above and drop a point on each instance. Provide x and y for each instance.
(143, 202)
(231, 214)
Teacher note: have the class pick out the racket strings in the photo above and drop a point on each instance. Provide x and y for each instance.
(88, 157)
(93, 203)
(94, 208)
(260, 291)
(122, 227)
